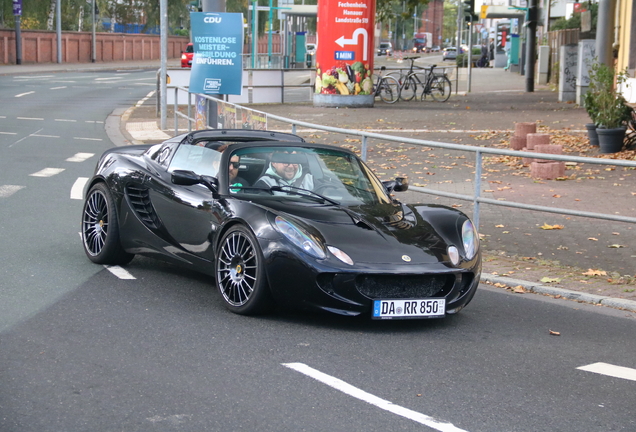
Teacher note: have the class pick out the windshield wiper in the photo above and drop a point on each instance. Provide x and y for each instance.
(303, 192)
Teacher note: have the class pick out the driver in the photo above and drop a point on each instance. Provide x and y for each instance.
(285, 169)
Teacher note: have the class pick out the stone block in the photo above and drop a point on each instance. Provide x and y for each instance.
(535, 139)
(548, 149)
(517, 142)
(523, 129)
(547, 171)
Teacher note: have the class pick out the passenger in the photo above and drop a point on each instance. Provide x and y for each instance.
(285, 170)
(236, 183)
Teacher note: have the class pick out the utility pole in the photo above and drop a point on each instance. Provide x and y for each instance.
(58, 27)
(604, 31)
(17, 12)
(531, 40)
(163, 71)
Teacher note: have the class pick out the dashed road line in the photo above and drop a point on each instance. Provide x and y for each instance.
(77, 190)
(47, 172)
(373, 400)
(8, 190)
(610, 370)
(80, 157)
(24, 94)
(57, 88)
(30, 118)
(8, 133)
(44, 136)
(65, 120)
(120, 272)
(88, 139)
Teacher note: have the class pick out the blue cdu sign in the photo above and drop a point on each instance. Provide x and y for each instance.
(217, 65)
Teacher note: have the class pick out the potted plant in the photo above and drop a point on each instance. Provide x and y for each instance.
(609, 107)
(589, 103)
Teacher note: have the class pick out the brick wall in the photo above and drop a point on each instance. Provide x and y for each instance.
(41, 47)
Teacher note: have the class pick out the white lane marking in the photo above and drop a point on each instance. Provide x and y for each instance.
(610, 370)
(8, 190)
(77, 190)
(8, 133)
(30, 77)
(108, 79)
(30, 118)
(47, 172)
(141, 101)
(65, 120)
(24, 94)
(80, 157)
(119, 272)
(44, 136)
(57, 88)
(93, 121)
(371, 399)
(88, 139)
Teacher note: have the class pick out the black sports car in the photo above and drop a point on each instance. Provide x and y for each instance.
(277, 220)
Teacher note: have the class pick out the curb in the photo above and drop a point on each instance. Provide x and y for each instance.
(537, 288)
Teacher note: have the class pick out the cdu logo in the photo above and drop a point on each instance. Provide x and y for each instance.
(212, 84)
(212, 20)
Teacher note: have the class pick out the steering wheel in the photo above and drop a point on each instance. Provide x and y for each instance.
(321, 188)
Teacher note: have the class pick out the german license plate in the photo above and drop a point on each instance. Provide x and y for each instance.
(408, 308)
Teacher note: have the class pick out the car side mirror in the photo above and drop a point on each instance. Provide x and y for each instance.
(189, 178)
(185, 178)
(400, 184)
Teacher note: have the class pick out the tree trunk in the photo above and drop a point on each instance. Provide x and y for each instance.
(49, 22)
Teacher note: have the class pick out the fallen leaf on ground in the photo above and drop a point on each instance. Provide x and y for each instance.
(519, 289)
(592, 238)
(554, 333)
(550, 280)
(616, 246)
(545, 226)
(592, 272)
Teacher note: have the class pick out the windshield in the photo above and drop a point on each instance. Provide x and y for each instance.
(385, 45)
(306, 174)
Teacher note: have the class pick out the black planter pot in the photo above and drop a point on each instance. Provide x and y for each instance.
(611, 140)
(591, 134)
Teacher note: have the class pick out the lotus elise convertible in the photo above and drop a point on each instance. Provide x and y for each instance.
(277, 221)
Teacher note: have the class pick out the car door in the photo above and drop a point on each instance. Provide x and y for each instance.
(189, 214)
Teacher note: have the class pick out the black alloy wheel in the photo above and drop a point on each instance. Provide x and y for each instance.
(100, 228)
(240, 276)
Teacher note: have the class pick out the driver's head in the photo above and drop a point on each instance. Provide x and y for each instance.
(285, 170)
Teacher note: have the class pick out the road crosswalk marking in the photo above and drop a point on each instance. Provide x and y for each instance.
(119, 272)
(610, 370)
(47, 172)
(8, 190)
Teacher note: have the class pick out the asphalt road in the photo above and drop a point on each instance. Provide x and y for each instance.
(150, 347)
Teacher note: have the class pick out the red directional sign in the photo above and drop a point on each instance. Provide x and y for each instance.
(344, 55)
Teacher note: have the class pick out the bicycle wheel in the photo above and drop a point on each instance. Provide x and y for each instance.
(441, 89)
(389, 90)
(408, 89)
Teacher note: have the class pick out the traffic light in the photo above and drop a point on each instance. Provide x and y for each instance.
(469, 11)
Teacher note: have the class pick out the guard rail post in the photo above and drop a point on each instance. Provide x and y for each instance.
(176, 108)
(364, 148)
(476, 196)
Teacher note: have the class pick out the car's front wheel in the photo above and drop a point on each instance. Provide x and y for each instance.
(240, 275)
(100, 228)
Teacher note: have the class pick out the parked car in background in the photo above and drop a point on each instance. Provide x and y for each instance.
(186, 56)
(449, 53)
(435, 49)
(385, 48)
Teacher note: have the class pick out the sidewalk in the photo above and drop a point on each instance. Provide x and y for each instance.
(585, 259)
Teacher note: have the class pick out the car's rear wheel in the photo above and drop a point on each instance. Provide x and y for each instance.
(240, 275)
(100, 228)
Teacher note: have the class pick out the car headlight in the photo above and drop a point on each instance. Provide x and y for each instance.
(470, 239)
(299, 237)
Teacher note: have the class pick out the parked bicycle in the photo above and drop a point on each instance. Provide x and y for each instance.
(386, 87)
(432, 83)
(437, 85)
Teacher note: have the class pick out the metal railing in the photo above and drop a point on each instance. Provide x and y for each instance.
(476, 198)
